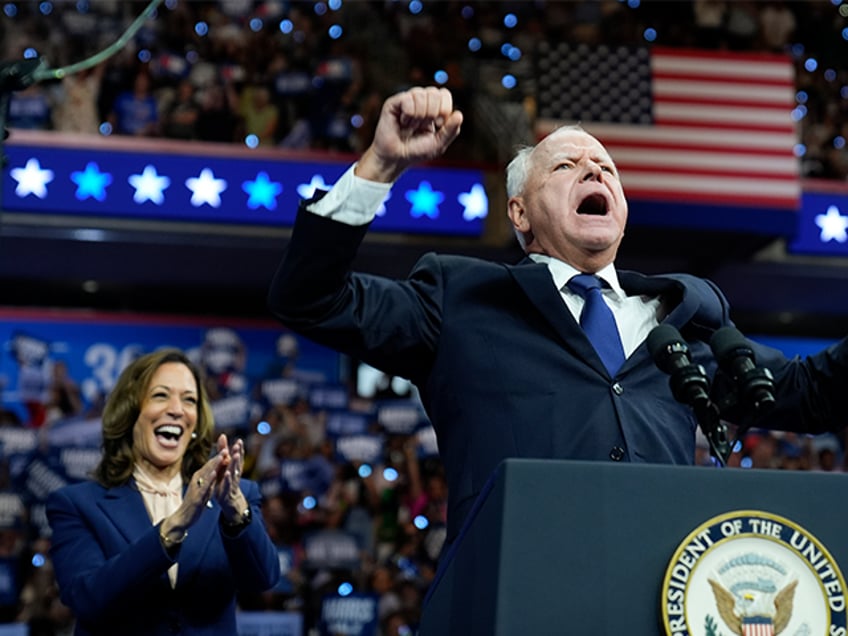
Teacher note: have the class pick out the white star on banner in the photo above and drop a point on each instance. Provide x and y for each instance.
(833, 225)
(32, 179)
(307, 190)
(149, 185)
(476, 203)
(206, 189)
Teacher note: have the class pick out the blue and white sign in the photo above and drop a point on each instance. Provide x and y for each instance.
(176, 181)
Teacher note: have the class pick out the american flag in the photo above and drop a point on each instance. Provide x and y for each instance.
(686, 125)
(757, 626)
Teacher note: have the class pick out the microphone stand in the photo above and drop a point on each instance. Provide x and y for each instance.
(683, 383)
(714, 430)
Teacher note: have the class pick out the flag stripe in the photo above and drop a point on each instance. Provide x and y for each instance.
(730, 65)
(737, 116)
(707, 162)
(766, 96)
(750, 143)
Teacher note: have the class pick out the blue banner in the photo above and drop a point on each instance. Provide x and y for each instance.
(82, 354)
(184, 181)
(822, 224)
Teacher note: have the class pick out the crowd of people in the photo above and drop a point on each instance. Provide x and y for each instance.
(300, 87)
(312, 75)
(385, 515)
(389, 511)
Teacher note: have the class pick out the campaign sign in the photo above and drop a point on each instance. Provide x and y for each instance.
(42, 475)
(366, 449)
(231, 412)
(328, 397)
(284, 585)
(312, 475)
(284, 391)
(294, 475)
(346, 423)
(351, 615)
(12, 511)
(400, 417)
(16, 445)
(334, 549)
(269, 623)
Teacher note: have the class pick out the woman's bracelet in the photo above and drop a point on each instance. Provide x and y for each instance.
(171, 543)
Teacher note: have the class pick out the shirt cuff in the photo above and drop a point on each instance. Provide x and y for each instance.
(352, 200)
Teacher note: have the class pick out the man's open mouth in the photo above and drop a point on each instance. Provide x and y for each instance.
(595, 204)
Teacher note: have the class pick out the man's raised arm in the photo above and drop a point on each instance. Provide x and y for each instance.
(415, 125)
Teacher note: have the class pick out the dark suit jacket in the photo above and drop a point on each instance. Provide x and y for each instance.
(503, 368)
(112, 569)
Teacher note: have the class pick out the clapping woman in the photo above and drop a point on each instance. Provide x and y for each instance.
(164, 537)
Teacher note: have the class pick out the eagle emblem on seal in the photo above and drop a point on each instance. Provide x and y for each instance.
(758, 609)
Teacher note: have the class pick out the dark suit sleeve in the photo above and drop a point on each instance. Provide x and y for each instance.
(253, 558)
(811, 395)
(811, 392)
(94, 587)
(392, 325)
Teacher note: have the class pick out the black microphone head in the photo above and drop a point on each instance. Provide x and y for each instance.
(663, 341)
(728, 343)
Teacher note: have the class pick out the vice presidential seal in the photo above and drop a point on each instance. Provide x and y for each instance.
(753, 573)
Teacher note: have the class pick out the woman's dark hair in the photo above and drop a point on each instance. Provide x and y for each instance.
(123, 407)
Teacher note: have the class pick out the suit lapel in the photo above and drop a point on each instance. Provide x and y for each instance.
(124, 507)
(536, 282)
(680, 305)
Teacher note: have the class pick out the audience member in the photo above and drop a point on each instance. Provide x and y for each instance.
(180, 115)
(136, 112)
(259, 114)
(76, 108)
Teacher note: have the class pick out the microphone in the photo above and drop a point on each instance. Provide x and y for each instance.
(736, 359)
(689, 385)
(689, 382)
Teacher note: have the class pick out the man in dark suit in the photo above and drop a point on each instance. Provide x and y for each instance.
(503, 366)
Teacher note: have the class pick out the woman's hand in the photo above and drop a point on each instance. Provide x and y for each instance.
(227, 490)
(200, 490)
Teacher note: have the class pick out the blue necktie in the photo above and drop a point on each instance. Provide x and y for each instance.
(598, 322)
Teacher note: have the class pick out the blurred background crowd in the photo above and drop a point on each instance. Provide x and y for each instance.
(312, 75)
(355, 495)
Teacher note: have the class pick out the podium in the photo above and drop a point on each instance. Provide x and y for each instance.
(579, 548)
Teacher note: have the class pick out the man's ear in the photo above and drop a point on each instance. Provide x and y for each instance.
(516, 212)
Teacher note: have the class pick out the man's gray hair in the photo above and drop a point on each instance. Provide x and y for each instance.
(519, 167)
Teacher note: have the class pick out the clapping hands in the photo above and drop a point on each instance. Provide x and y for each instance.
(217, 479)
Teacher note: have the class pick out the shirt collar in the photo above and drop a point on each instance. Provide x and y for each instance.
(562, 272)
